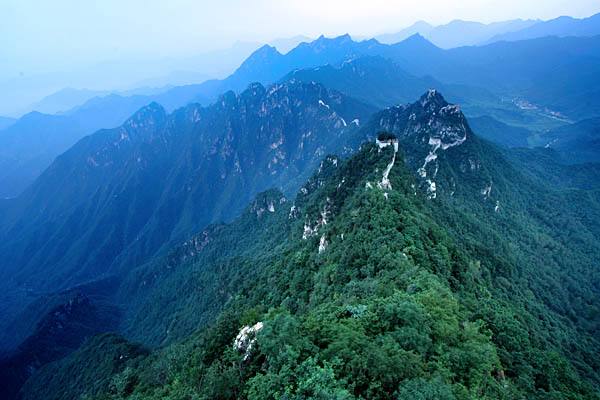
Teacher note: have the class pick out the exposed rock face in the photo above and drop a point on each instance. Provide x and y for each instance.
(245, 341)
(313, 229)
(385, 182)
(323, 244)
(267, 202)
(293, 214)
(432, 134)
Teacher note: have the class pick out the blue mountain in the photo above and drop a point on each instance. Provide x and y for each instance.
(457, 33)
(561, 26)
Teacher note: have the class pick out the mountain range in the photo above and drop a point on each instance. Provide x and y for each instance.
(128, 192)
(111, 110)
(320, 224)
(426, 248)
(523, 90)
(31, 143)
(125, 74)
(381, 82)
(459, 33)
(561, 26)
(65, 99)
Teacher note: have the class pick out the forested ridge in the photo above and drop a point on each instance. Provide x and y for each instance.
(352, 290)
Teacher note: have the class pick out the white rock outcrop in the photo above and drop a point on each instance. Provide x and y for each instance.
(385, 181)
(322, 244)
(245, 341)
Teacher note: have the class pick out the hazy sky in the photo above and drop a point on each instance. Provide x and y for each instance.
(36, 35)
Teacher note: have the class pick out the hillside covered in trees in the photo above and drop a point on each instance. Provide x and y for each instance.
(368, 285)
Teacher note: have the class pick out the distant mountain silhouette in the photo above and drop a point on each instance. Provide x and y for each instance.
(65, 99)
(457, 33)
(561, 26)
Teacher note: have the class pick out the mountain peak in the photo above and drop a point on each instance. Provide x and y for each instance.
(417, 40)
(263, 53)
(344, 37)
(33, 116)
(266, 203)
(422, 23)
(256, 67)
(149, 116)
(426, 129)
(153, 110)
(431, 115)
(325, 41)
(433, 100)
(266, 50)
(255, 88)
(416, 37)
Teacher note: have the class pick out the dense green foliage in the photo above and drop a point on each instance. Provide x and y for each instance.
(545, 165)
(78, 226)
(411, 298)
(113, 360)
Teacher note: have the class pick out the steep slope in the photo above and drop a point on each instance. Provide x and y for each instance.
(367, 286)
(110, 354)
(158, 316)
(119, 196)
(30, 144)
(372, 292)
(548, 166)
